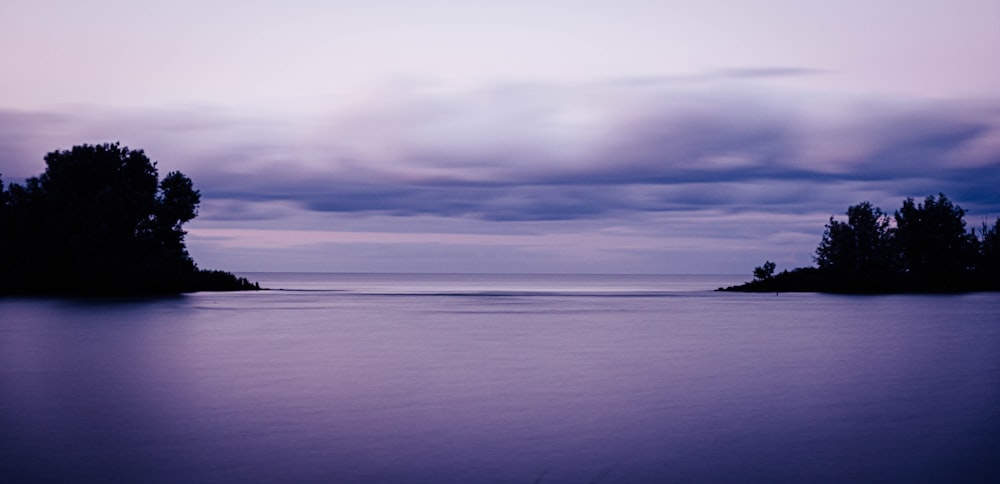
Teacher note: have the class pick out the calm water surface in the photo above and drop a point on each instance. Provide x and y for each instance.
(553, 379)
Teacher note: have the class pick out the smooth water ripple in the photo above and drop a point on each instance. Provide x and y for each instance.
(387, 378)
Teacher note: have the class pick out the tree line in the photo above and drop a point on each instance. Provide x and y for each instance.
(99, 220)
(922, 247)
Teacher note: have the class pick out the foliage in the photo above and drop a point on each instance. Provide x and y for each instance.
(988, 257)
(923, 247)
(858, 252)
(934, 246)
(99, 220)
(765, 271)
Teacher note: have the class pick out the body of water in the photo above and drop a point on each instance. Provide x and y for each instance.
(500, 378)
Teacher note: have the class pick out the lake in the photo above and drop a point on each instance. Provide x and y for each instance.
(501, 378)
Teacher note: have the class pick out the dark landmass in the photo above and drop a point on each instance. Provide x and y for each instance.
(922, 248)
(99, 222)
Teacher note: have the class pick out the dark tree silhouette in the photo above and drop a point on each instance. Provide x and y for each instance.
(6, 226)
(858, 252)
(935, 248)
(988, 257)
(98, 220)
(765, 271)
(924, 247)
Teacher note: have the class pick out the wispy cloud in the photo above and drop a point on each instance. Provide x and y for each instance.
(769, 72)
(541, 152)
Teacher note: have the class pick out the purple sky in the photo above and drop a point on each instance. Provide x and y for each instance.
(620, 137)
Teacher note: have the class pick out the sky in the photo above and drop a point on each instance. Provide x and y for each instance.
(622, 136)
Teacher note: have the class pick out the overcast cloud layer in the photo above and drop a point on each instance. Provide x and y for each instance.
(562, 136)
(553, 152)
(578, 159)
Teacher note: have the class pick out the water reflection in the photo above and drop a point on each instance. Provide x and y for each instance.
(352, 387)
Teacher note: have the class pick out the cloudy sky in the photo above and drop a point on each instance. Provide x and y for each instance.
(617, 136)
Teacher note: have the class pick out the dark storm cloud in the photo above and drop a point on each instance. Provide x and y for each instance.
(547, 153)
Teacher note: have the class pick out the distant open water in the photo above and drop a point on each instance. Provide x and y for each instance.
(501, 378)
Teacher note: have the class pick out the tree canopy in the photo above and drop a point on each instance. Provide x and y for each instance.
(923, 247)
(859, 252)
(100, 221)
